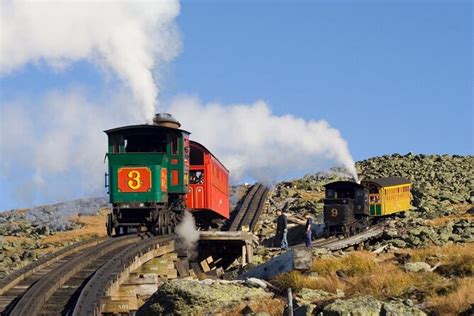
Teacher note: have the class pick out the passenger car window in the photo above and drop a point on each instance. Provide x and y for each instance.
(196, 177)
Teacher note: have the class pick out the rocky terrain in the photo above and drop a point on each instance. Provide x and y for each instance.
(422, 264)
(185, 297)
(441, 183)
(29, 233)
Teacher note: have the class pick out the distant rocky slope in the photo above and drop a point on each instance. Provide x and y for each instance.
(42, 220)
(27, 234)
(441, 183)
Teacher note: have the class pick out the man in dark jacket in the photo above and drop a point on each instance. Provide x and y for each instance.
(282, 230)
(308, 231)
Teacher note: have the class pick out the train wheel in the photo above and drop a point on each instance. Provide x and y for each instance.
(125, 230)
(117, 231)
(346, 232)
(156, 227)
(109, 225)
(152, 229)
(164, 229)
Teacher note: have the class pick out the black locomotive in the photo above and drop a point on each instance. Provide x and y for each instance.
(350, 207)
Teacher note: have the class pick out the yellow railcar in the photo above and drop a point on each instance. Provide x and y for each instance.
(388, 195)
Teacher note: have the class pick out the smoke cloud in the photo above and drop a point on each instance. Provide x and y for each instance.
(251, 141)
(188, 234)
(52, 146)
(130, 38)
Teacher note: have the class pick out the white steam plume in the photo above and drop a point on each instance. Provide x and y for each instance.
(251, 141)
(131, 38)
(189, 234)
(52, 148)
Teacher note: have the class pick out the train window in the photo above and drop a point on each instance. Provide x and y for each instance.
(374, 198)
(145, 143)
(196, 177)
(174, 145)
(197, 156)
(330, 194)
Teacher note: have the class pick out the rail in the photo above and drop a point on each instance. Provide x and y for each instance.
(334, 243)
(251, 208)
(34, 300)
(104, 278)
(21, 274)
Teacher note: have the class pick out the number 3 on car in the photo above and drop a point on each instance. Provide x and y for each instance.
(136, 179)
(134, 182)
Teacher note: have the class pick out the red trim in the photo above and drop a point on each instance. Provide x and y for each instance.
(174, 177)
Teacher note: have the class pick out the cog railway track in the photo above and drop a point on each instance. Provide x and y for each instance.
(54, 285)
(335, 243)
(17, 283)
(250, 209)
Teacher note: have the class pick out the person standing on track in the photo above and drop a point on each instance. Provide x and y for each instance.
(282, 229)
(308, 231)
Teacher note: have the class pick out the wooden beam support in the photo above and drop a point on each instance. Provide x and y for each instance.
(227, 236)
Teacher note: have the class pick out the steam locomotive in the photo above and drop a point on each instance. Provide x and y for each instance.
(155, 173)
(350, 207)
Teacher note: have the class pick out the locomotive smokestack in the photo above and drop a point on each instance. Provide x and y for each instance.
(166, 120)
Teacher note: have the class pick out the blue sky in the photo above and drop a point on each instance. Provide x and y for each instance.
(392, 77)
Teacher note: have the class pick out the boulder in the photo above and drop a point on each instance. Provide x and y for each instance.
(185, 297)
(398, 308)
(455, 237)
(307, 296)
(304, 310)
(254, 282)
(360, 306)
(398, 243)
(416, 267)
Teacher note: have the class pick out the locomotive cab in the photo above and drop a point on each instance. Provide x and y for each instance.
(345, 207)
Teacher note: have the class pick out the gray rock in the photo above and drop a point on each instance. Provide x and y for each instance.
(254, 282)
(307, 296)
(360, 306)
(304, 310)
(186, 297)
(416, 266)
(454, 237)
(398, 243)
(397, 308)
(320, 251)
